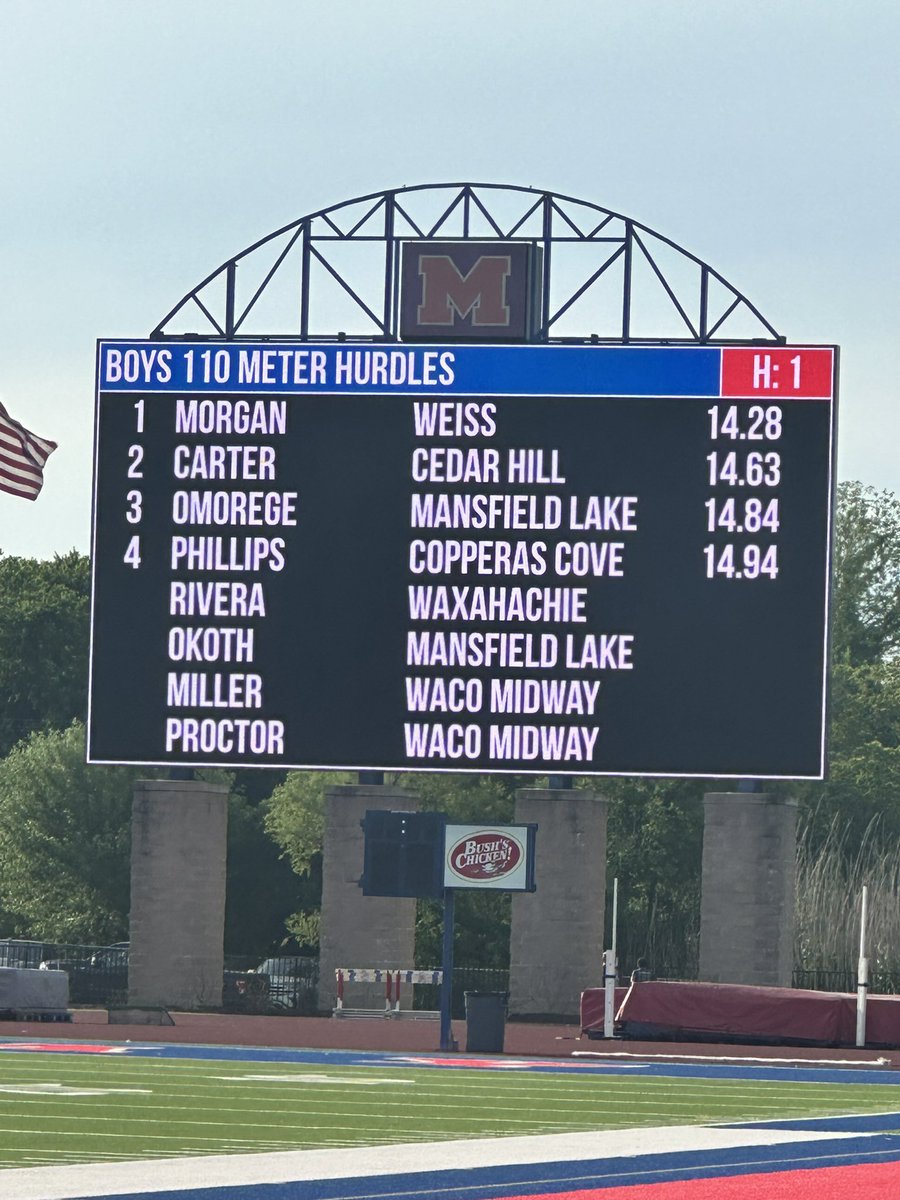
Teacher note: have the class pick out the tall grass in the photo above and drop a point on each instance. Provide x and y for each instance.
(830, 879)
(667, 936)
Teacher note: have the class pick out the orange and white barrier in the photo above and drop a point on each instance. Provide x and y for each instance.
(391, 978)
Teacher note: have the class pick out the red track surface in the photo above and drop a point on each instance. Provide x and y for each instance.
(378, 1033)
(880, 1181)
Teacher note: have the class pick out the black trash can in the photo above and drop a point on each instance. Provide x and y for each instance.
(486, 1021)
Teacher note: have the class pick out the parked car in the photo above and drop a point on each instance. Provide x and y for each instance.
(292, 982)
(98, 977)
(245, 991)
(111, 958)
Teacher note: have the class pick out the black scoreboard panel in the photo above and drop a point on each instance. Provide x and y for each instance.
(585, 560)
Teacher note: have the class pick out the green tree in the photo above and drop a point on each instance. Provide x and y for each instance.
(64, 840)
(295, 820)
(864, 727)
(44, 619)
(866, 594)
(850, 824)
(863, 781)
(655, 835)
(65, 851)
(262, 889)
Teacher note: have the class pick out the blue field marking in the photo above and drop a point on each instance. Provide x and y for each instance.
(437, 1060)
(865, 1123)
(540, 1066)
(547, 1179)
(775, 1074)
(698, 1070)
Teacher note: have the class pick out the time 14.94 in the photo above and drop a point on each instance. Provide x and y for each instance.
(741, 562)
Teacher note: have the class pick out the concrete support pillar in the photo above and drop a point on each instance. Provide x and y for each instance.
(178, 846)
(556, 942)
(747, 903)
(357, 930)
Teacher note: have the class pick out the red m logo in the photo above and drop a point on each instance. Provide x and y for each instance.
(447, 293)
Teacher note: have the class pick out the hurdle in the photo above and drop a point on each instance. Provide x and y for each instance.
(392, 978)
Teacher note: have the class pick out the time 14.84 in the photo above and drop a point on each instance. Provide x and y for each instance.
(747, 516)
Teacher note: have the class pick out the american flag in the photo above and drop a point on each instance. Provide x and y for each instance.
(22, 458)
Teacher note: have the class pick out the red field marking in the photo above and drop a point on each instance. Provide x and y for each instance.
(423, 1060)
(872, 1181)
(65, 1047)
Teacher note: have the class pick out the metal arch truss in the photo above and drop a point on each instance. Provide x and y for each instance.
(334, 274)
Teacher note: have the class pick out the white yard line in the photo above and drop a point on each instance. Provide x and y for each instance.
(732, 1058)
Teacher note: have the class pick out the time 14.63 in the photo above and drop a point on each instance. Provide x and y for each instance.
(741, 562)
(736, 470)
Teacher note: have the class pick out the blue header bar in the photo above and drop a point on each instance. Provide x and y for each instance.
(459, 370)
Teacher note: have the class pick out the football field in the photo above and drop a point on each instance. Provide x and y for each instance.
(108, 1104)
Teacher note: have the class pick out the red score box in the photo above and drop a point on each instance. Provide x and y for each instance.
(790, 372)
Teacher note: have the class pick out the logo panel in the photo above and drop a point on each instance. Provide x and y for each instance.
(476, 291)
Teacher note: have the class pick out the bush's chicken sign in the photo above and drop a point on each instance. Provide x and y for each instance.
(490, 856)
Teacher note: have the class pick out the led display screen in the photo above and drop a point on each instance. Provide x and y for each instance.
(576, 560)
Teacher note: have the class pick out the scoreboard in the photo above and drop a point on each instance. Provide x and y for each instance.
(587, 560)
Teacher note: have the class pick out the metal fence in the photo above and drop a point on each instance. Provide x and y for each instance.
(98, 976)
(465, 979)
(881, 983)
(288, 985)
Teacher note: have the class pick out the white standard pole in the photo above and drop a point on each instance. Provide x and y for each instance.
(862, 973)
(609, 972)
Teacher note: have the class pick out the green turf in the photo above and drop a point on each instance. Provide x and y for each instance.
(172, 1107)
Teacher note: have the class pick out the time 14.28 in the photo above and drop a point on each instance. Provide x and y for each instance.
(758, 423)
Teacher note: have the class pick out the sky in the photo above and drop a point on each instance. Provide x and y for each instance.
(144, 142)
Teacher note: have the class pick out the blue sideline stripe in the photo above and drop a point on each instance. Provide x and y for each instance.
(395, 1059)
(864, 1123)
